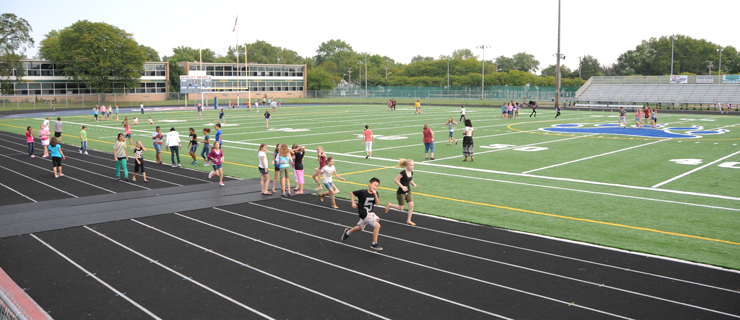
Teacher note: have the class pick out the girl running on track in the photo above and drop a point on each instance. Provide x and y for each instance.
(638, 115)
(451, 123)
(298, 153)
(267, 118)
(139, 161)
(56, 157)
(127, 131)
(367, 198)
(193, 146)
(284, 161)
(217, 158)
(264, 169)
(120, 154)
(206, 141)
(44, 136)
(403, 194)
(276, 166)
(322, 163)
(468, 140)
(29, 141)
(326, 174)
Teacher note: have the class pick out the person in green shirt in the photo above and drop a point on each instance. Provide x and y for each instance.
(83, 140)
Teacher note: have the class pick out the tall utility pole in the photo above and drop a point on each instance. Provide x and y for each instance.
(359, 79)
(720, 64)
(710, 66)
(557, 67)
(365, 74)
(483, 66)
(580, 66)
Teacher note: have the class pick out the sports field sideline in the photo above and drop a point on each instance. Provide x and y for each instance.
(670, 191)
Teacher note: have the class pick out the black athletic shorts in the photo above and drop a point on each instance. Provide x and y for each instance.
(138, 166)
(56, 161)
(58, 134)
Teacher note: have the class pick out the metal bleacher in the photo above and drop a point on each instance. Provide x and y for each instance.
(657, 89)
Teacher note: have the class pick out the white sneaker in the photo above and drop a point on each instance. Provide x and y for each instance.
(86, 152)
(174, 166)
(205, 164)
(179, 165)
(210, 175)
(80, 151)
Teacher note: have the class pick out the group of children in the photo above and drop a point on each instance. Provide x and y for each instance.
(104, 113)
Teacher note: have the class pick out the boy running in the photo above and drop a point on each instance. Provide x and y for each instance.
(368, 198)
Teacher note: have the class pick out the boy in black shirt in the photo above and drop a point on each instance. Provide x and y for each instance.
(368, 198)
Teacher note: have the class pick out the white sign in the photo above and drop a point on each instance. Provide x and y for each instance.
(704, 79)
(679, 79)
(194, 77)
(691, 162)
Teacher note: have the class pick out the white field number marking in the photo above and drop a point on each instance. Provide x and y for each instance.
(691, 162)
(505, 146)
(382, 137)
(288, 130)
(731, 165)
(688, 119)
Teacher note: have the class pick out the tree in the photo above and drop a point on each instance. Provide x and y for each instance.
(182, 53)
(564, 71)
(175, 72)
(418, 57)
(149, 53)
(14, 39)
(463, 54)
(102, 57)
(653, 57)
(526, 62)
(590, 67)
(319, 79)
(328, 50)
(504, 63)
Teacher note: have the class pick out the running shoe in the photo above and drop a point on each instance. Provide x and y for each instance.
(387, 207)
(179, 165)
(221, 184)
(86, 152)
(367, 156)
(32, 156)
(210, 175)
(205, 164)
(80, 151)
(411, 223)
(44, 156)
(345, 236)
(61, 174)
(376, 246)
(174, 166)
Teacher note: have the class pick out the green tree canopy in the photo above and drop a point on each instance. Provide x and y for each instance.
(526, 62)
(96, 54)
(653, 57)
(149, 53)
(183, 53)
(590, 67)
(463, 54)
(327, 51)
(564, 71)
(319, 79)
(504, 63)
(14, 39)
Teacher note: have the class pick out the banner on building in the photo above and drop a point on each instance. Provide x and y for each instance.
(732, 78)
(704, 79)
(679, 79)
(194, 77)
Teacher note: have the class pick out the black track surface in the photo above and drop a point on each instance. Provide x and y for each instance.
(238, 254)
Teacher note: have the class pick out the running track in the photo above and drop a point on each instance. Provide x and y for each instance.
(87, 246)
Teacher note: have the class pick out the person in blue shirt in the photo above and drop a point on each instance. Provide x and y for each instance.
(503, 111)
(219, 137)
(558, 110)
(56, 156)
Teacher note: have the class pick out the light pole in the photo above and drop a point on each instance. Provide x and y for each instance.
(580, 66)
(720, 63)
(359, 79)
(557, 66)
(483, 67)
(710, 66)
(673, 38)
(365, 74)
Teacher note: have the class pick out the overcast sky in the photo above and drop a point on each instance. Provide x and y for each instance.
(400, 29)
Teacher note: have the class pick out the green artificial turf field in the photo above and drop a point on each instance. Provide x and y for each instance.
(675, 196)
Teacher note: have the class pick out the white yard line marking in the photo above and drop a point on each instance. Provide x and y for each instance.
(600, 285)
(260, 270)
(92, 275)
(695, 170)
(544, 252)
(442, 141)
(503, 149)
(23, 195)
(411, 263)
(29, 178)
(596, 156)
(182, 276)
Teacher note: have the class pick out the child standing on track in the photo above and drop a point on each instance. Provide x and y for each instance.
(193, 146)
(56, 157)
(368, 199)
(298, 153)
(403, 194)
(120, 154)
(29, 141)
(276, 165)
(284, 161)
(139, 161)
(263, 167)
(157, 138)
(206, 141)
(83, 140)
(326, 174)
(451, 123)
(369, 139)
(44, 136)
(173, 142)
(217, 158)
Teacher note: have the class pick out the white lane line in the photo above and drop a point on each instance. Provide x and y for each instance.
(182, 276)
(596, 156)
(503, 149)
(23, 195)
(531, 250)
(601, 285)
(695, 170)
(261, 271)
(425, 266)
(364, 275)
(92, 275)
(29, 178)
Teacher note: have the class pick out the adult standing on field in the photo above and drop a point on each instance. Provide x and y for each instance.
(403, 194)
(157, 138)
(428, 142)
(369, 139)
(58, 129)
(173, 142)
(468, 140)
(141, 106)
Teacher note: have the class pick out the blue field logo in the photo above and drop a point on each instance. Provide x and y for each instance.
(663, 131)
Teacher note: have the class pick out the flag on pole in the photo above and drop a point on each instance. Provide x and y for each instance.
(235, 23)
